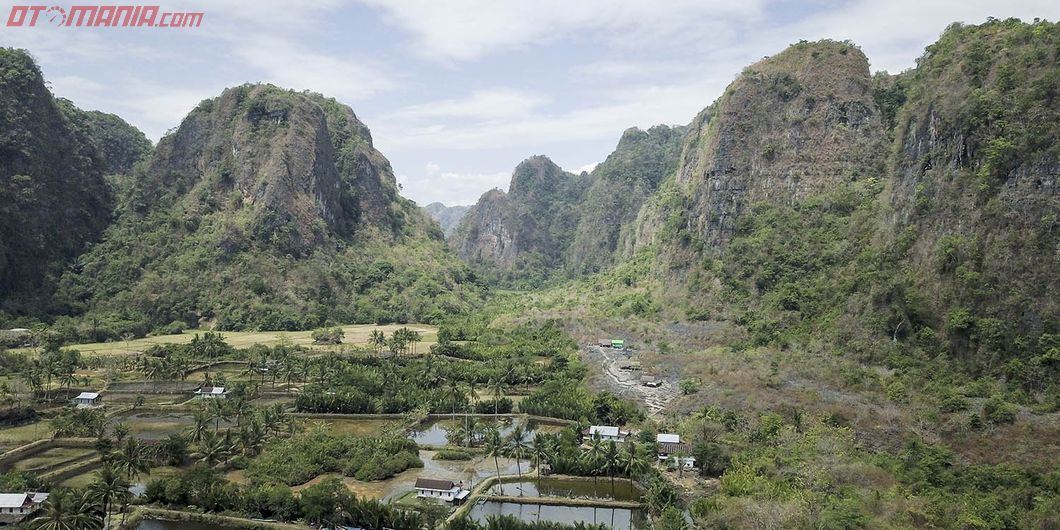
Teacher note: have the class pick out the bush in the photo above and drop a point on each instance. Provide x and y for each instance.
(997, 411)
(451, 454)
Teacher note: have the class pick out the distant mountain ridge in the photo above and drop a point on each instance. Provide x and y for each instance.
(448, 217)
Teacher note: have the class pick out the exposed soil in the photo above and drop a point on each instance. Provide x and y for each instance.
(627, 383)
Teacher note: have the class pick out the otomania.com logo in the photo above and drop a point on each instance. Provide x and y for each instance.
(101, 16)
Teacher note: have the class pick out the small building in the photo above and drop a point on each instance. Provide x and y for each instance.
(632, 366)
(14, 507)
(444, 490)
(650, 381)
(672, 449)
(212, 392)
(88, 400)
(604, 343)
(606, 433)
(618, 344)
(668, 444)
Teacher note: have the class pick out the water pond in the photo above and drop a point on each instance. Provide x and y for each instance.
(438, 432)
(616, 518)
(571, 489)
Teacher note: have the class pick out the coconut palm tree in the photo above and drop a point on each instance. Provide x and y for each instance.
(201, 417)
(517, 447)
(211, 449)
(541, 450)
(132, 458)
(66, 510)
(495, 447)
(497, 386)
(612, 462)
(378, 339)
(634, 462)
(218, 410)
(110, 486)
(591, 457)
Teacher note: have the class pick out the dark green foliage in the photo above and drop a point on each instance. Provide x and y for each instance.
(120, 145)
(54, 201)
(298, 459)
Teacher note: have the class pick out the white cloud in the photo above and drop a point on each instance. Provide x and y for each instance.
(484, 104)
(450, 187)
(289, 65)
(469, 29)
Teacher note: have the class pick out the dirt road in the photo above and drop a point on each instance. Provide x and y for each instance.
(627, 384)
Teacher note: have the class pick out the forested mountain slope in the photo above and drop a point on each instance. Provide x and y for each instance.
(54, 201)
(266, 208)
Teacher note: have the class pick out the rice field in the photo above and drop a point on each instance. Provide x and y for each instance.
(355, 335)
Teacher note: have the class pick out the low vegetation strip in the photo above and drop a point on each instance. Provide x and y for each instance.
(564, 501)
(40, 446)
(142, 514)
(77, 468)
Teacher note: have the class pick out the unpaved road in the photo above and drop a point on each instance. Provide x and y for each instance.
(626, 383)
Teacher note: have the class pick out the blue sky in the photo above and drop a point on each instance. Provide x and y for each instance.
(457, 93)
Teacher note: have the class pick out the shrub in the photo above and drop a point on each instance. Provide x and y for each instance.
(452, 454)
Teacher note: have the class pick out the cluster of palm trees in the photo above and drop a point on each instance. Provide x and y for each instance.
(598, 457)
(52, 366)
(253, 426)
(401, 341)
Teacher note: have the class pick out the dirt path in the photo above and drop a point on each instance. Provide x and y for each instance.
(627, 383)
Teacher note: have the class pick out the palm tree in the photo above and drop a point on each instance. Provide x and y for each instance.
(612, 461)
(109, 486)
(495, 447)
(517, 447)
(541, 449)
(378, 339)
(497, 386)
(591, 457)
(201, 417)
(218, 410)
(121, 431)
(132, 459)
(65, 510)
(634, 462)
(211, 449)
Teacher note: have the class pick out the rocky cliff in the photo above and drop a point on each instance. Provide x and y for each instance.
(54, 201)
(523, 235)
(267, 208)
(553, 224)
(790, 126)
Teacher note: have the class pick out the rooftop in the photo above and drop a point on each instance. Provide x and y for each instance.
(87, 395)
(434, 484)
(664, 438)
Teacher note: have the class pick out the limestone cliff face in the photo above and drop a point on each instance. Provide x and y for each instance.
(620, 186)
(487, 232)
(530, 226)
(789, 127)
(300, 167)
(53, 199)
(976, 189)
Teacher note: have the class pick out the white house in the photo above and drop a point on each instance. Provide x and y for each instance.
(445, 490)
(671, 448)
(211, 392)
(15, 507)
(606, 433)
(88, 400)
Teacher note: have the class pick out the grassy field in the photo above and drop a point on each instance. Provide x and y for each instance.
(11, 437)
(356, 334)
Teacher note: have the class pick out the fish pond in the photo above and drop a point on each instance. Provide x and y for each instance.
(446, 432)
(616, 518)
(570, 488)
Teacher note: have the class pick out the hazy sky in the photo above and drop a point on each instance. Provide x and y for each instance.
(457, 93)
